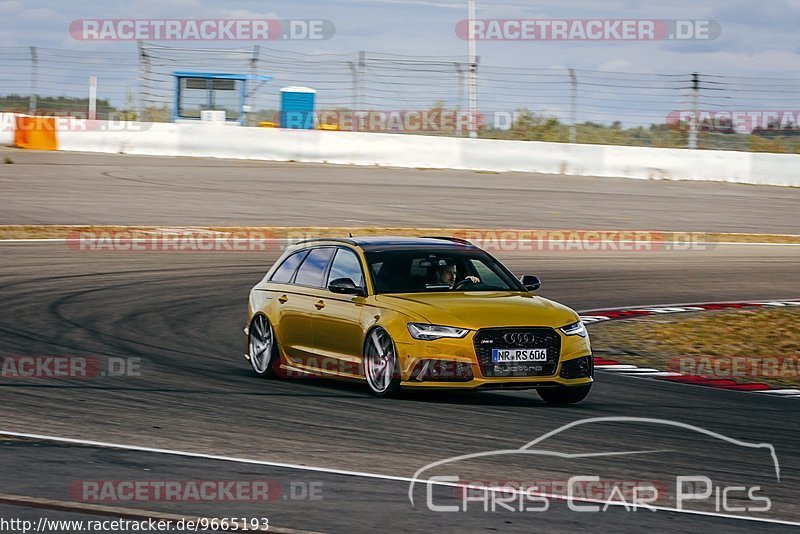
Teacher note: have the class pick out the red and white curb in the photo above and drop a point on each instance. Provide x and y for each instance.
(628, 312)
(613, 366)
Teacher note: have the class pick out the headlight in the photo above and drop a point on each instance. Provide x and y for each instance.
(574, 329)
(429, 332)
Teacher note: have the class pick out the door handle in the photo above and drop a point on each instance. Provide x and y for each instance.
(319, 305)
(282, 299)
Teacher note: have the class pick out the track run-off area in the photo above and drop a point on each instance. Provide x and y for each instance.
(339, 458)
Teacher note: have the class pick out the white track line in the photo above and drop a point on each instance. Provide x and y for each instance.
(659, 374)
(44, 240)
(344, 472)
(626, 371)
(633, 371)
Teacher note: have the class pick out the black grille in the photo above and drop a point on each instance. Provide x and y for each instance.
(488, 339)
(577, 368)
(442, 371)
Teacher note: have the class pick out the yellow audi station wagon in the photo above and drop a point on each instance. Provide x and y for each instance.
(401, 313)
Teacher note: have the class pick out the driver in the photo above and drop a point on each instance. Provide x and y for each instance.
(446, 274)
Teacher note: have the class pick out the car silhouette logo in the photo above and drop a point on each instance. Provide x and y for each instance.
(518, 338)
(530, 448)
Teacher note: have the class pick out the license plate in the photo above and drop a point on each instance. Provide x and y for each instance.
(519, 355)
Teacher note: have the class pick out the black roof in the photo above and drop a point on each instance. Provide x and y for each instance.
(373, 243)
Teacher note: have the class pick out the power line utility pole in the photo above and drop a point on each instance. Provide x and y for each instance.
(473, 72)
(573, 129)
(694, 125)
(34, 79)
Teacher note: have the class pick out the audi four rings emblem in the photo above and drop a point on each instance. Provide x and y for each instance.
(516, 338)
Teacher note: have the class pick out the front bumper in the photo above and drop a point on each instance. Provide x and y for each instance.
(574, 366)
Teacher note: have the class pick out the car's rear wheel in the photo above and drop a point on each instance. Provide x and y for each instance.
(263, 349)
(380, 364)
(564, 395)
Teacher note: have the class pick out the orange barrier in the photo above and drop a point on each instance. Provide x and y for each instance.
(35, 132)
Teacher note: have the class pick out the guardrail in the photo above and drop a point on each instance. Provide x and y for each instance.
(413, 151)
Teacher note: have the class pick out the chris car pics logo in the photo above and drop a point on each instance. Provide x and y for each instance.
(587, 492)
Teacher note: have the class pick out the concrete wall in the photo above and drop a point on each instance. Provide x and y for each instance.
(350, 148)
(6, 128)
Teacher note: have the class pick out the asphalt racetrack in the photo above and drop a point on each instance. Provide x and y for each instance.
(76, 188)
(180, 315)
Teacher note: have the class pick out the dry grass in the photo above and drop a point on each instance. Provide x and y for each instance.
(22, 231)
(710, 337)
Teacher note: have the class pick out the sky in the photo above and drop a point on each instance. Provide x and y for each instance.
(759, 41)
(758, 38)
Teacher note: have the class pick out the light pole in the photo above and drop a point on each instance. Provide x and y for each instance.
(473, 72)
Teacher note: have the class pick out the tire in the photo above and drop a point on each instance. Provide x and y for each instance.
(564, 395)
(263, 348)
(381, 367)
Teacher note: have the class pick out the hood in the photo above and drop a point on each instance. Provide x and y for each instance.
(482, 309)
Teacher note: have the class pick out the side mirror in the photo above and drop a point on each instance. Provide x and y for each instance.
(531, 283)
(345, 286)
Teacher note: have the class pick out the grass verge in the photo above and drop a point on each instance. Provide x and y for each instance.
(481, 235)
(760, 345)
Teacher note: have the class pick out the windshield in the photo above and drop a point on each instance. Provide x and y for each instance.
(416, 271)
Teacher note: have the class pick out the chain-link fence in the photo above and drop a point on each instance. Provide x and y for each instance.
(384, 92)
(49, 81)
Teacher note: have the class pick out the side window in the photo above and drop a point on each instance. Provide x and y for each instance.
(312, 270)
(346, 265)
(287, 268)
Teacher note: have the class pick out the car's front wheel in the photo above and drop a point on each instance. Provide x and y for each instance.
(381, 364)
(263, 348)
(564, 395)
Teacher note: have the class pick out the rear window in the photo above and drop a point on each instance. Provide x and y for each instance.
(312, 271)
(288, 267)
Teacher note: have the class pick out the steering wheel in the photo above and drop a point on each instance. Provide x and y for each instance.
(462, 283)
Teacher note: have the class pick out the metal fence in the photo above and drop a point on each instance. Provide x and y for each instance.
(694, 110)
